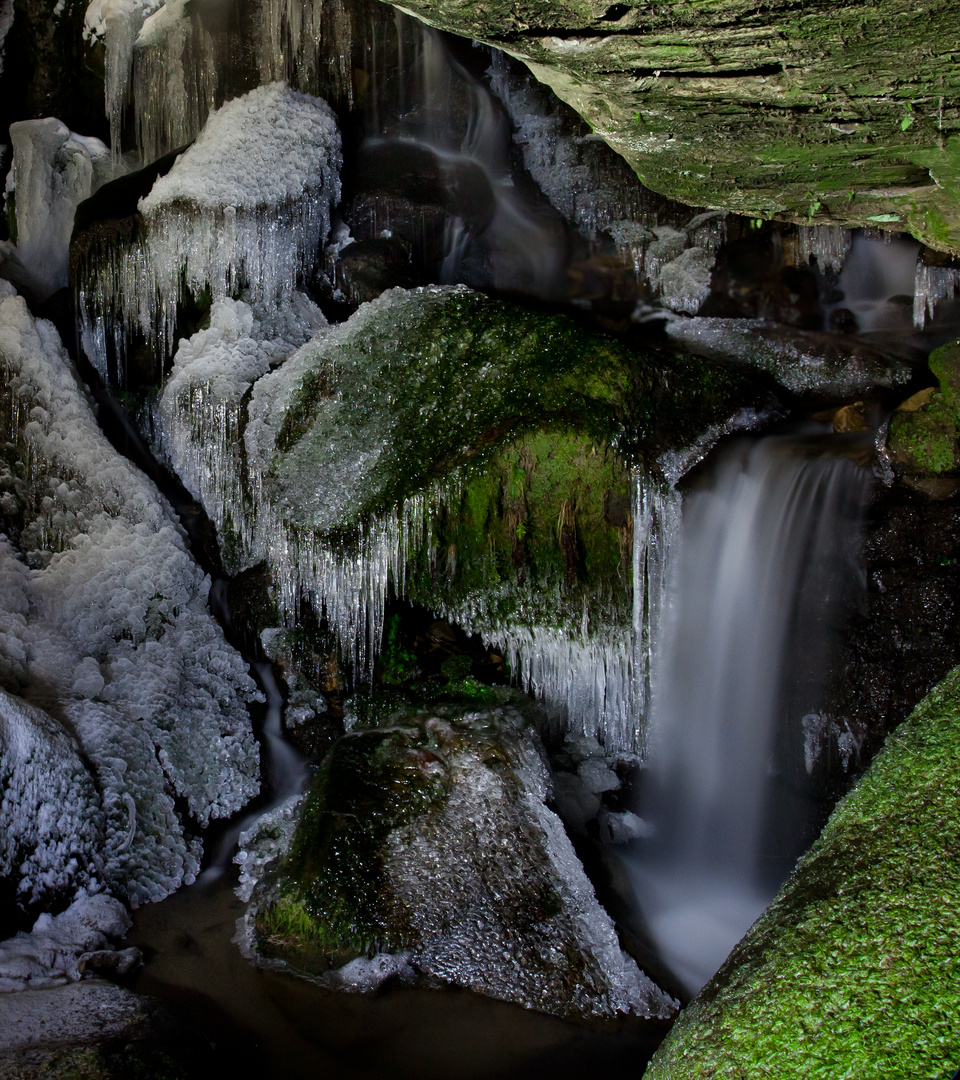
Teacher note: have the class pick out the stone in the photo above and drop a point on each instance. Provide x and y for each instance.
(426, 850)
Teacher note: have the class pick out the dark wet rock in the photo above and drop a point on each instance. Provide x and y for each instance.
(367, 268)
(94, 1030)
(425, 850)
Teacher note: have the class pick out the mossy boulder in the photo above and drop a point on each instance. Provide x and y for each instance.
(923, 432)
(845, 113)
(426, 850)
(852, 971)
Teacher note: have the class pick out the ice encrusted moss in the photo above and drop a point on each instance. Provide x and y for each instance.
(106, 625)
(853, 970)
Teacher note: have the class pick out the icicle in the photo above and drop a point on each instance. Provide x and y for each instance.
(828, 244)
(931, 285)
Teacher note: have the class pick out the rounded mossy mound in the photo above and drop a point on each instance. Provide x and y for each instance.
(852, 971)
(421, 382)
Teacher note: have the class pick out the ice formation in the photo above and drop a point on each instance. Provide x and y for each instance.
(829, 245)
(106, 623)
(200, 416)
(931, 285)
(53, 171)
(56, 950)
(116, 23)
(182, 68)
(50, 816)
(289, 509)
(246, 206)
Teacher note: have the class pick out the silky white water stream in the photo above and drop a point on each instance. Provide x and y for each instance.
(767, 557)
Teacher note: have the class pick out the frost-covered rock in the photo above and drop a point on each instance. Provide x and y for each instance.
(246, 206)
(437, 438)
(106, 625)
(200, 416)
(430, 842)
(54, 951)
(53, 171)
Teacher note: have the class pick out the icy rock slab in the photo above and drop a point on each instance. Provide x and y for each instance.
(106, 623)
(434, 836)
(802, 362)
(53, 171)
(54, 951)
(51, 820)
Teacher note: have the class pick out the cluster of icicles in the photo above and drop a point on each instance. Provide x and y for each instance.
(596, 679)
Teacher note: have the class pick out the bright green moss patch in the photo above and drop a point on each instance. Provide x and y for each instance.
(853, 971)
(923, 441)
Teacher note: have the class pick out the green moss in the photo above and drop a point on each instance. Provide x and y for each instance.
(432, 380)
(853, 971)
(923, 441)
(331, 902)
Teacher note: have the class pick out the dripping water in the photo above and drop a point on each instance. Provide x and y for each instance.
(767, 560)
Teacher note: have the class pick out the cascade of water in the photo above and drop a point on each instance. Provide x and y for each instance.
(766, 556)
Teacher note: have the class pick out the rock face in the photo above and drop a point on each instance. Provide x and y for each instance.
(829, 112)
(859, 942)
(426, 850)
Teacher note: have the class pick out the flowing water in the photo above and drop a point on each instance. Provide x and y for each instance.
(767, 561)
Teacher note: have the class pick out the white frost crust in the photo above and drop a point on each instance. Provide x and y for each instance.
(110, 626)
(50, 816)
(53, 171)
(52, 953)
(199, 414)
(247, 206)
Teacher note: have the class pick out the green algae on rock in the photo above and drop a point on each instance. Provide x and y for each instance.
(818, 113)
(852, 971)
(425, 850)
(923, 434)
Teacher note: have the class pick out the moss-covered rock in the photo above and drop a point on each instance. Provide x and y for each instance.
(425, 849)
(923, 431)
(852, 971)
(822, 112)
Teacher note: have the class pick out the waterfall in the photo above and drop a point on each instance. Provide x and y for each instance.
(767, 556)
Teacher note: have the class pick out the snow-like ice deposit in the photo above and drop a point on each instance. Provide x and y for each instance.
(246, 206)
(54, 951)
(106, 623)
(53, 171)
